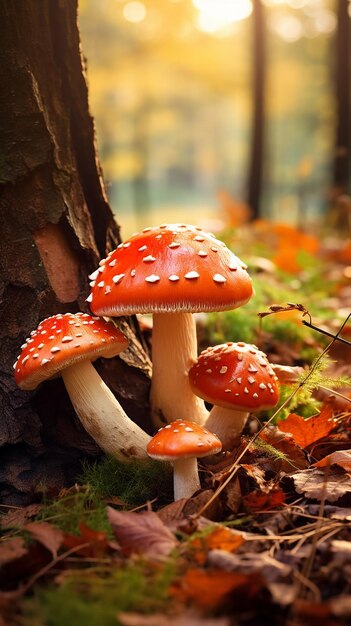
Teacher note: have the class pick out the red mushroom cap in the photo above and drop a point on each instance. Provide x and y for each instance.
(173, 267)
(61, 340)
(235, 376)
(182, 439)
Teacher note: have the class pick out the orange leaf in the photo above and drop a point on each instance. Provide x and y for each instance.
(340, 457)
(207, 588)
(220, 539)
(307, 431)
(94, 543)
(259, 501)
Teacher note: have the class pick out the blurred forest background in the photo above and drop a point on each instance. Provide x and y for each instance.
(203, 107)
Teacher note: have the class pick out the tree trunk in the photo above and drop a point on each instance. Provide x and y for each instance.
(342, 156)
(254, 184)
(55, 226)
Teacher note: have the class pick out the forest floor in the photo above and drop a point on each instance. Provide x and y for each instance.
(267, 539)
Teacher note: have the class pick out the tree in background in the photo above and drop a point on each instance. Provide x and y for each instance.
(55, 226)
(255, 173)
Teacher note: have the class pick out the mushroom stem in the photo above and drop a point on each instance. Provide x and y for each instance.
(185, 477)
(227, 424)
(101, 414)
(174, 350)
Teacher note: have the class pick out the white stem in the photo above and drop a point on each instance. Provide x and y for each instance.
(174, 350)
(101, 414)
(227, 424)
(185, 478)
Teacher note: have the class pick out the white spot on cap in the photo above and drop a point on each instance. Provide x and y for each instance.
(142, 248)
(66, 339)
(252, 368)
(223, 370)
(44, 361)
(188, 429)
(227, 390)
(107, 290)
(218, 278)
(250, 380)
(200, 444)
(35, 356)
(117, 278)
(113, 263)
(246, 390)
(238, 380)
(133, 272)
(79, 335)
(149, 259)
(40, 346)
(24, 360)
(92, 283)
(192, 275)
(202, 253)
(89, 298)
(173, 278)
(214, 249)
(199, 238)
(94, 275)
(240, 357)
(255, 395)
(262, 386)
(152, 278)
(101, 283)
(209, 371)
(232, 266)
(126, 245)
(174, 244)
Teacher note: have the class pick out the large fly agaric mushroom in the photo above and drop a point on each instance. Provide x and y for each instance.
(182, 443)
(171, 271)
(236, 378)
(67, 344)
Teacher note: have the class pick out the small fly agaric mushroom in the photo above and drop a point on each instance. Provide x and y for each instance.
(236, 378)
(171, 271)
(182, 443)
(67, 344)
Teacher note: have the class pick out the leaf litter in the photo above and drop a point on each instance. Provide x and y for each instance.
(266, 539)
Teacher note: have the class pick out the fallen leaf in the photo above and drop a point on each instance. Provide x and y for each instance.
(160, 619)
(11, 550)
(308, 431)
(260, 501)
(313, 483)
(142, 533)
(94, 542)
(340, 457)
(220, 538)
(49, 536)
(19, 516)
(207, 589)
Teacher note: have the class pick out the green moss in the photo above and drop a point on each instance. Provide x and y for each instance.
(95, 597)
(134, 483)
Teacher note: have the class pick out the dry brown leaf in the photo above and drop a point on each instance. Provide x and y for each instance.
(339, 457)
(314, 483)
(11, 550)
(308, 431)
(142, 533)
(49, 536)
(160, 619)
(19, 517)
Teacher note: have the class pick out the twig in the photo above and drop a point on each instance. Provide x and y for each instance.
(325, 332)
(236, 465)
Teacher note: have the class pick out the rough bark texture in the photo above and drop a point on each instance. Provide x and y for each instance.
(55, 225)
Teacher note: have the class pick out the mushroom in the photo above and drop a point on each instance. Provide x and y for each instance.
(236, 378)
(171, 271)
(182, 443)
(67, 344)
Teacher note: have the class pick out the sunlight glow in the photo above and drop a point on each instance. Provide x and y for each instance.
(217, 14)
(134, 12)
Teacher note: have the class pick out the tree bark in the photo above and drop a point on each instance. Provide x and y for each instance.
(342, 158)
(254, 183)
(55, 225)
